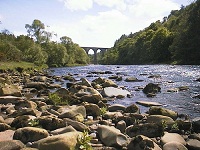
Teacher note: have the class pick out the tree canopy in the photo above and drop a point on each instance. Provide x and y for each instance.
(175, 39)
(36, 47)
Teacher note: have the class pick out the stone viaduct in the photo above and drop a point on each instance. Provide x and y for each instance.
(95, 49)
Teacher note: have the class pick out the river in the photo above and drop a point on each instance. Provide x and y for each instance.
(172, 76)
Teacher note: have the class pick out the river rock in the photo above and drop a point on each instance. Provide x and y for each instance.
(72, 111)
(141, 142)
(4, 126)
(148, 129)
(37, 85)
(116, 107)
(22, 121)
(10, 90)
(160, 119)
(193, 144)
(9, 99)
(111, 136)
(30, 134)
(121, 125)
(114, 92)
(85, 82)
(65, 141)
(6, 135)
(63, 130)
(51, 123)
(132, 79)
(195, 136)
(196, 124)
(174, 146)
(28, 148)
(25, 103)
(39, 78)
(172, 137)
(132, 109)
(151, 88)
(148, 104)
(11, 145)
(183, 88)
(109, 83)
(92, 110)
(2, 119)
(154, 110)
(94, 98)
(76, 125)
(113, 115)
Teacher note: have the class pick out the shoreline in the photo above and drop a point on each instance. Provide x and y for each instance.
(28, 108)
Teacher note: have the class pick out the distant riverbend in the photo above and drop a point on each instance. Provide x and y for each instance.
(169, 77)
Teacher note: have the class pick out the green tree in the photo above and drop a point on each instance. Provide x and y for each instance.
(36, 55)
(37, 31)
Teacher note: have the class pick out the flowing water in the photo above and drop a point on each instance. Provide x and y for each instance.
(172, 76)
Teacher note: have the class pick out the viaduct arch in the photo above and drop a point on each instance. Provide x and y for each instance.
(95, 49)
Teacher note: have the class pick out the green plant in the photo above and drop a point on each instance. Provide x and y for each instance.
(55, 98)
(83, 141)
(164, 125)
(33, 122)
(103, 110)
(175, 126)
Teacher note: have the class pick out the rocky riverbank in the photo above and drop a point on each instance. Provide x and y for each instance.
(37, 113)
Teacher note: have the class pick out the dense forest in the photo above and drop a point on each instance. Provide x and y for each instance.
(36, 47)
(174, 40)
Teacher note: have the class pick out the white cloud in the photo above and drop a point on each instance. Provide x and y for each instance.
(103, 28)
(151, 8)
(118, 4)
(75, 5)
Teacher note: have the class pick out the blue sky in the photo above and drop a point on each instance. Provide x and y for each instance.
(88, 22)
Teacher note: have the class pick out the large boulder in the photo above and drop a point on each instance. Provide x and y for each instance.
(154, 110)
(30, 134)
(12, 90)
(6, 135)
(22, 121)
(141, 142)
(196, 124)
(114, 92)
(25, 103)
(93, 98)
(85, 82)
(92, 110)
(149, 129)
(63, 130)
(76, 125)
(51, 123)
(151, 88)
(132, 109)
(4, 126)
(174, 146)
(111, 136)
(193, 144)
(11, 145)
(72, 111)
(37, 85)
(109, 83)
(65, 141)
(172, 137)
(148, 104)
(132, 79)
(9, 99)
(160, 119)
(116, 107)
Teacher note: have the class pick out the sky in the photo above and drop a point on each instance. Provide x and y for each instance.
(89, 23)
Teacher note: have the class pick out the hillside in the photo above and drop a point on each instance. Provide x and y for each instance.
(174, 40)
